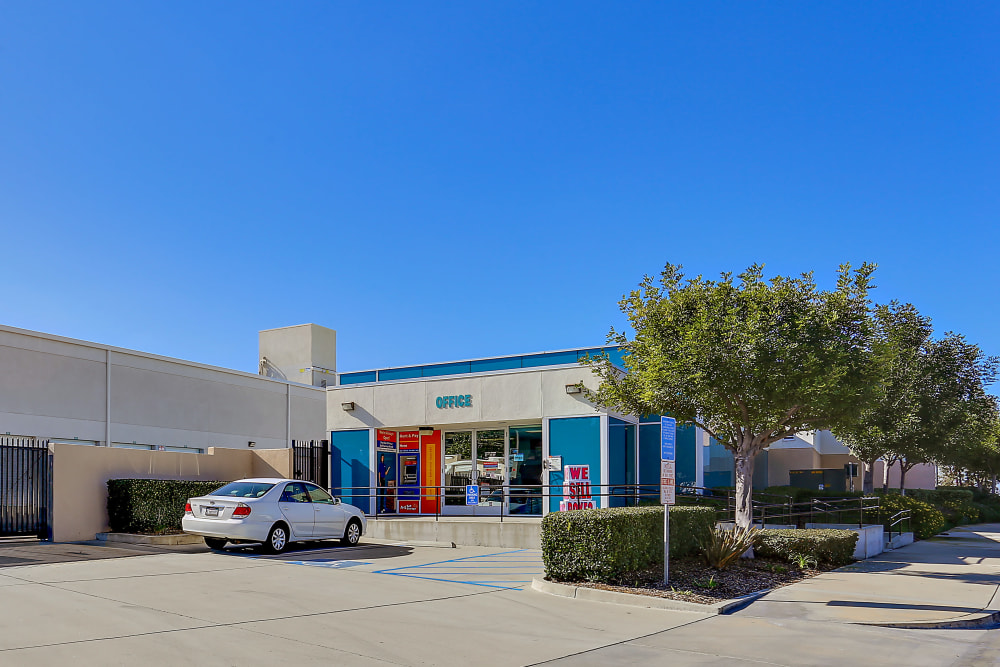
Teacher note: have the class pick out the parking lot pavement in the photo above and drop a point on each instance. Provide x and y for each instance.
(15, 552)
(379, 604)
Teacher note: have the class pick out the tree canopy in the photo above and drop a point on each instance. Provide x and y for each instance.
(749, 360)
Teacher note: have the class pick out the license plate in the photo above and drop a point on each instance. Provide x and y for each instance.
(211, 511)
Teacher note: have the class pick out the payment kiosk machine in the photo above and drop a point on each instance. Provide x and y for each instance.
(409, 472)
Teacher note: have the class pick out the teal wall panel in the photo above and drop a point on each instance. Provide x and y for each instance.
(349, 466)
(578, 441)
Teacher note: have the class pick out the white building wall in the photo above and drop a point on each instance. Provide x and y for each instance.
(58, 388)
(508, 396)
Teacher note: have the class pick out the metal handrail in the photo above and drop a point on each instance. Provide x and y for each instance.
(788, 512)
(897, 519)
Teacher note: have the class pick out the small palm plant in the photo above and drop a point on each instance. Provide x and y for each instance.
(723, 546)
(804, 561)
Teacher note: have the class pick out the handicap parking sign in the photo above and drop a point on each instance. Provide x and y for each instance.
(472, 494)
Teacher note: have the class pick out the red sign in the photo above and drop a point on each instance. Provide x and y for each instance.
(409, 441)
(409, 506)
(385, 436)
(576, 489)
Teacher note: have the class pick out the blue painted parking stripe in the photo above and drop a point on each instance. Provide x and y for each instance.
(476, 570)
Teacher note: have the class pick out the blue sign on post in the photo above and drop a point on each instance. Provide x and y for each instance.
(668, 438)
(471, 494)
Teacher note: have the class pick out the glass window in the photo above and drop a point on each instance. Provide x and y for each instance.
(357, 378)
(446, 369)
(318, 495)
(295, 492)
(243, 490)
(399, 374)
(549, 359)
(483, 365)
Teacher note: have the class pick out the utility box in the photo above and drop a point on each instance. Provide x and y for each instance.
(823, 479)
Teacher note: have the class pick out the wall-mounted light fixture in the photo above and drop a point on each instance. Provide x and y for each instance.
(251, 444)
(347, 406)
(574, 388)
(426, 429)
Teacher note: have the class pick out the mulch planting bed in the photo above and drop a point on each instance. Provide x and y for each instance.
(693, 581)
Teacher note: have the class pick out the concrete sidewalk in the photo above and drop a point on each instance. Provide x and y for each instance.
(942, 582)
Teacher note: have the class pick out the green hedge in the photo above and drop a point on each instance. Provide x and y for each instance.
(826, 545)
(607, 544)
(151, 505)
(940, 495)
(925, 519)
(800, 495)
(988, 511)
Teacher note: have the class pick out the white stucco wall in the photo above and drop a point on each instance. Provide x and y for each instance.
(58, 388)
(507, 396)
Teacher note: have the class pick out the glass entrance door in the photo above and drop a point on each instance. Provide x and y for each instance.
(458, 468)
(525, 456)
(475, 457)
(492, 471)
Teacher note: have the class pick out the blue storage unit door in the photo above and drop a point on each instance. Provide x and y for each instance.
(349, 467)
(578, 441)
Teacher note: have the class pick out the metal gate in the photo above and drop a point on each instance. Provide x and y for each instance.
(312, 461)
(24, 486)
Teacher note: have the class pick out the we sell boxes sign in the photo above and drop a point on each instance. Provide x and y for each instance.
(576, 489)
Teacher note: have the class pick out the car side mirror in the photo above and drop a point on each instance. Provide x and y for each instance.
(336, 501)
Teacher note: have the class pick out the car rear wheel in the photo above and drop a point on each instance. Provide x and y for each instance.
(352, 535)
(277, 539)
(216, 543)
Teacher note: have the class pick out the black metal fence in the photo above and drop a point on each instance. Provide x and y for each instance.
(24, 487)
(312, 461)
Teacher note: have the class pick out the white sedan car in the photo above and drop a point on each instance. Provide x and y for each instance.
(274, 512)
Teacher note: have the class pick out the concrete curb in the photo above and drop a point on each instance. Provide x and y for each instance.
(159, 540)
(985, 621)
(648, 601)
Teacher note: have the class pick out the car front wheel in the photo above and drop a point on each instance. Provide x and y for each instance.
(353, 534)
(277, 539)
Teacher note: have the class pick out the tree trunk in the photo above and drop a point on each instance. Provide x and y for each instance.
(902, 478)
(886, 464)
(868, 483)
(744, 489)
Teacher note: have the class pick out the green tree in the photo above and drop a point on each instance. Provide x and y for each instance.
(953, 407)
(893, 408)
(750, 360)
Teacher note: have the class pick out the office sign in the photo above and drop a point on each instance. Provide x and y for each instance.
(460, 401)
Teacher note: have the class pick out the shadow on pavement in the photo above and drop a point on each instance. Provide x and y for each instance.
(322, 551)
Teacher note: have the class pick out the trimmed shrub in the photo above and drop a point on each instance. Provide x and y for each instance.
(988, 512)
(151, 505)
(803, 495)
(925, 519)
(607, 544)
(825, 545)
(940, 496)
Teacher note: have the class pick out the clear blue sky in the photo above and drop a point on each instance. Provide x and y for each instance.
(451, 180)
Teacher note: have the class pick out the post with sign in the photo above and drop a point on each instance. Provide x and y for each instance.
(668, 455)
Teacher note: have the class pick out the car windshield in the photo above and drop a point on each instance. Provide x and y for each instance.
(243, 490)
